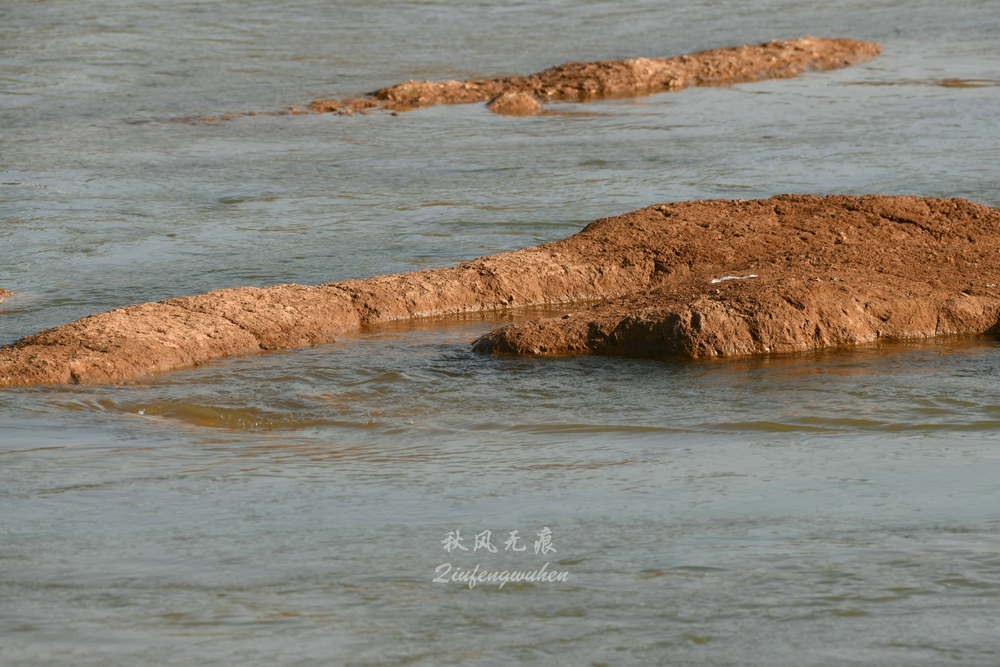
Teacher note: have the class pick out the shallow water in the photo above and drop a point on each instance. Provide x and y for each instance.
(814, 509)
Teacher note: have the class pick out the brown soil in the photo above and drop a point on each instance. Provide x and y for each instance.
(522, 95)
(828, 271)
(904, 267)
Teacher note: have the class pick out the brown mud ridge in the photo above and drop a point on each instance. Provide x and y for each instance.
(524, 95)
(787, 274)
(676, 279)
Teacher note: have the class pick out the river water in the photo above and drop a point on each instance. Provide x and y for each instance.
(830, 508)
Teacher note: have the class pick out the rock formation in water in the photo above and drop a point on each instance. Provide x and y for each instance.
(710, 278)
(516, 103)
(523, 95)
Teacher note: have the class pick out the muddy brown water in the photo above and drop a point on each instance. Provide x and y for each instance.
(820, 508)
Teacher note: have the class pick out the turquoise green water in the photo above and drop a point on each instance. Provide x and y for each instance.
(288, 509)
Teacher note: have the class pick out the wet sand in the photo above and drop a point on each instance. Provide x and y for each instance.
(827, 271)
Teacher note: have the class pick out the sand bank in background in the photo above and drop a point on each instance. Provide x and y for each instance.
(640, 76)
(525, 95)
(827, 271)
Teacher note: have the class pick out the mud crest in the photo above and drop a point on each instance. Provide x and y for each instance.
(675, 279)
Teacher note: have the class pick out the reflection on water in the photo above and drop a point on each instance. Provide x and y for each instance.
(944, 83)
(831, 507)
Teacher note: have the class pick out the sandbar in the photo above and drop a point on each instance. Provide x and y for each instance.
(700, 279)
